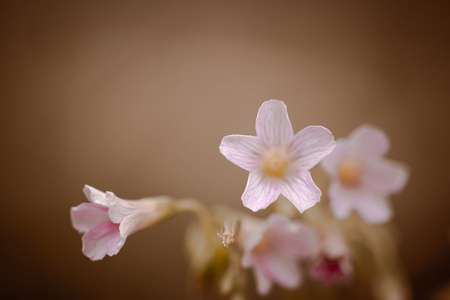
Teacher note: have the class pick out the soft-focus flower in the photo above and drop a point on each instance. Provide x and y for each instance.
(333, 265)
(107, 220)
(361, 178)
(278, 160)
(273, 247)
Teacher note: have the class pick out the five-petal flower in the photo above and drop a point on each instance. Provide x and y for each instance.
(278, 160)
(107, 220)
(361, 178)
(273, 247)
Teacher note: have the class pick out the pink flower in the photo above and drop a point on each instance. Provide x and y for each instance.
(278, 160)
(107, 221)
(333, 265)
(361, 178)
(273, 247)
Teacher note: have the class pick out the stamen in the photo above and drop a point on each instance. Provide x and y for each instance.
(227, 237)
(275, 163)
(229, 231)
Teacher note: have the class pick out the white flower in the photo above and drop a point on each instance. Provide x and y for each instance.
(273, 247)
(361, 178)
(278, 160)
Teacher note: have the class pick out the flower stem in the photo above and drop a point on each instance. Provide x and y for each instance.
(204, 217)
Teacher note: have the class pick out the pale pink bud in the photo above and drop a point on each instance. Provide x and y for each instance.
(107, 220)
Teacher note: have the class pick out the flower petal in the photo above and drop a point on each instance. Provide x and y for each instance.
(263, 284)
(341, 200)
(300, 189)
(95, 241)
(150, 210)
(310, 146)
(250, 235)
(134, 215)
(273, 126)
(374, 208)
(114, 244)
(293, 239)
(260, 191)
(122, 208)
(385, 176)
(247, 259)
(368, 141)
(331, 162)
(96, 196)
(280, 269)
(87, 215)
(242, 150)
(133, 223)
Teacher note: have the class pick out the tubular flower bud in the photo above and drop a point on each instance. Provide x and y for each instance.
(107, 220)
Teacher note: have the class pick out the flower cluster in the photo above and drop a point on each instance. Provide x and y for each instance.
(323, 247)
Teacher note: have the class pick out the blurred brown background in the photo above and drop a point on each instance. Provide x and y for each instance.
(135, 97)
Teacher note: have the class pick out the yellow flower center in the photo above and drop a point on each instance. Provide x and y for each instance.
(350, 171)
(275, 163)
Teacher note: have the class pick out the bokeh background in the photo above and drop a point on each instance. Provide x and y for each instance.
(134, 97)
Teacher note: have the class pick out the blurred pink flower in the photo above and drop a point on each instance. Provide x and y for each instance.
(273, 247)
(278, 160)
(333, 265)
(107, 220)
(361, 178)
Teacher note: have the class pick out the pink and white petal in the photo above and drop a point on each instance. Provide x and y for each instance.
(319, 270)
(88, 215)
(263, 283)
(300, 189)
(251, 234)
(114, 244)
(278, 225)
(135, 222)
(260, 191)
(331, 162)
(367, 141)
(95, 240)
(242, 150)
(374, 209)
(341, 200)
(273, 126)
(122, 208)
(247, 259)
(280, 269)
(293, 239)
(280, 234)
(306, 241)
(310, 146)
(96, 196)
(385, 176)
(334, 245)
(150, 210)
